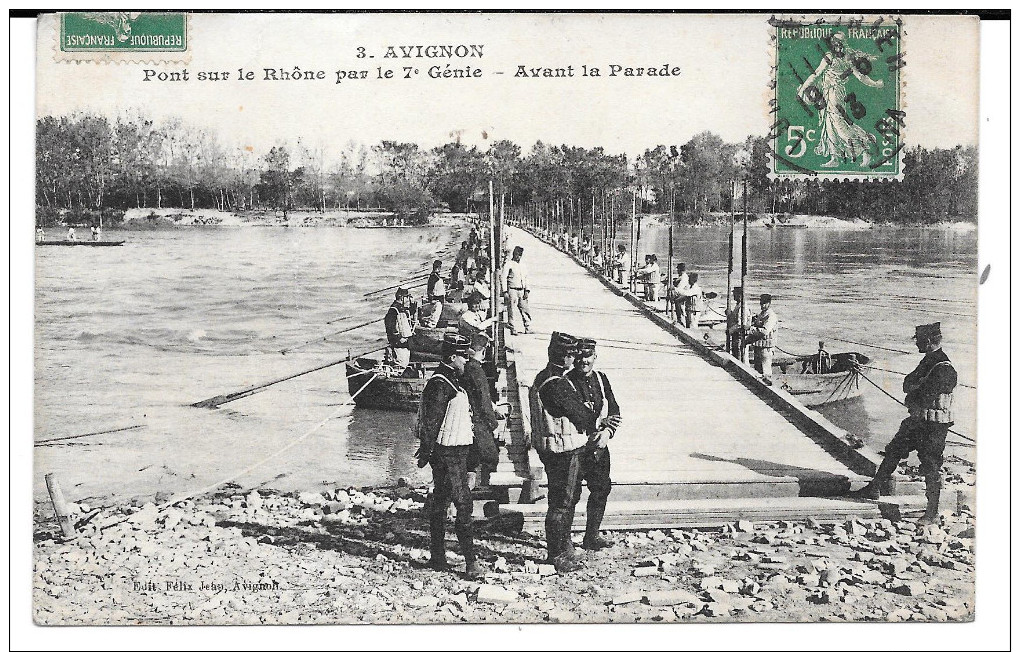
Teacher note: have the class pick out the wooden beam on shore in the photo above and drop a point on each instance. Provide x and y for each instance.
(63, 513)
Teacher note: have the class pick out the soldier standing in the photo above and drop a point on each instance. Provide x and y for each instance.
(597, 395)
(762, 337)
(446, 434)
(558, 421)
(736, 325)
(435, 294)
(399, 329)
(929, 400)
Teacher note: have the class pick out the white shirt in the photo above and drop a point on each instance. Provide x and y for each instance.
(514, 275)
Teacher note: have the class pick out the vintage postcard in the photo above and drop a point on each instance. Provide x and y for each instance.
(505, 318)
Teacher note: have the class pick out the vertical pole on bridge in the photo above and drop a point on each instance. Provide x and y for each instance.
(494, 290)
(743, 274)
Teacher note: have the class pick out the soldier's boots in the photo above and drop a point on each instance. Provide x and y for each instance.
(437, 545)
(465, 536)
(566, 564)
(561, 549)
(869, 491)
(594, 542)
(932, 491)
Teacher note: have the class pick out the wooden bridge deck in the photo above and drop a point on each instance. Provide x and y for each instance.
(693, 428)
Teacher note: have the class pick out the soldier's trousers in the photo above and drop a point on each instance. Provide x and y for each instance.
(450, 476)
(925, 437)
(566, 471)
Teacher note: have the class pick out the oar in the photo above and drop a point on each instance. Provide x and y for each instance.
(409, 286)
(328, 335)
(394, 287)
(216, 401)
(45, 442)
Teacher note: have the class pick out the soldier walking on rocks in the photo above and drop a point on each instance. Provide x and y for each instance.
(929, 400)
(446, 435)
(597, 395)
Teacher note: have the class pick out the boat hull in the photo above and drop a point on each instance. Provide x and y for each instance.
(841, 383)
(381, 392)
(813, 390)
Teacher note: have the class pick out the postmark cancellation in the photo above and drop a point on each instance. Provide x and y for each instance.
(836, 98)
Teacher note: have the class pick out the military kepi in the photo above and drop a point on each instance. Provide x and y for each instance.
(454, 344)
(585, 347)
(928, 330)
(562, 341)
(403, 292)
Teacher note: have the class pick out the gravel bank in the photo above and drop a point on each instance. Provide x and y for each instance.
(350, 556)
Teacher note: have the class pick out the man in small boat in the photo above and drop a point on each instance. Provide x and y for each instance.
(462, 254)
(40, 234)
(435, 294)
(559, 421)
(597, 395)
(475, 319)
(446, 434)
(761, 336)
(481, 284)
(736, 325)
(929, 399)
(514, 279)
(398, 322)
(71, 234)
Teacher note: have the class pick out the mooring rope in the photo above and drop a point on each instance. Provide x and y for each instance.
(46, 442)
(900, 373)
(173, 500)
(881, 389)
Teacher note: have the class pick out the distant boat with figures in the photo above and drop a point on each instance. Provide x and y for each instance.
(79, 243)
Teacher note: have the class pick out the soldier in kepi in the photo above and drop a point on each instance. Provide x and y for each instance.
(597, 395)
(399, 329)
(445, 432)
(761, 337)
(435, 294)
(929, 400)
(560, 421)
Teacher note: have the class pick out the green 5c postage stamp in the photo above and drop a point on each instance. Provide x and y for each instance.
(121, 36)
(837, 101)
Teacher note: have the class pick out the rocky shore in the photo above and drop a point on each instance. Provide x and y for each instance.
(351, 556)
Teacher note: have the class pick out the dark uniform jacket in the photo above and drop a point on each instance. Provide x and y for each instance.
(590, 393)
(476, 384)
(434, 399)
(561, 399)
(392, 334)
(930, 386)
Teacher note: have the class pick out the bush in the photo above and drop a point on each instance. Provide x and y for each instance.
(47, 216)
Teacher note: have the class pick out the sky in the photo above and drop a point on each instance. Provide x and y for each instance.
(723, 60)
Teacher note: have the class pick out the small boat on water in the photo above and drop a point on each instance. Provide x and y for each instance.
(79, 243)
(799, 376)
(378, 386)
(426, 344)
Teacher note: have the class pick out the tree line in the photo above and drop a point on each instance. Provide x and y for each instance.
(88, 164)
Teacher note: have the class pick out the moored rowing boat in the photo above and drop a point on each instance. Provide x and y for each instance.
(377, 386)
(841, 380)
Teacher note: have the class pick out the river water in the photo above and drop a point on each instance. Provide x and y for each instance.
(129, 336)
